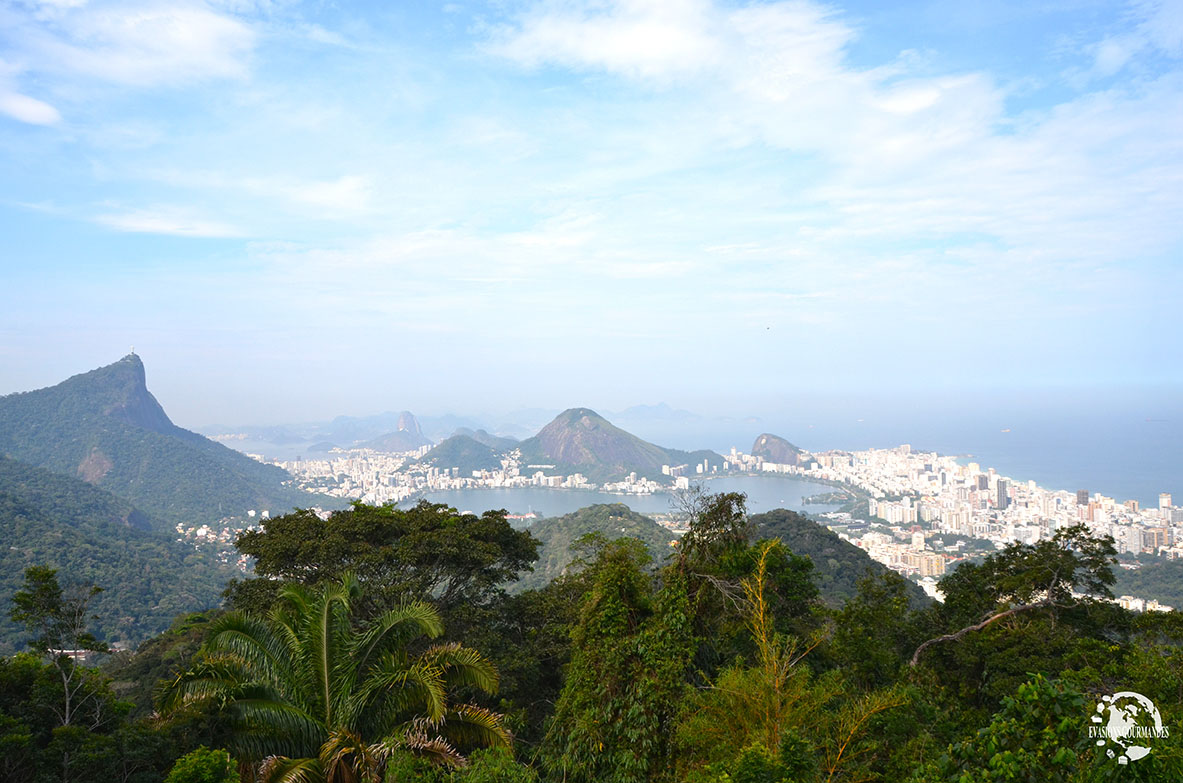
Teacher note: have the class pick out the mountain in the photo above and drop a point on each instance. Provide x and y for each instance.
(93, 537)
(495, 442)
(1162, 581)
(106, 428)
(463, 452)
(407, 436)
(612, 520)
(580, 440)
(837, 565)
(776, 450)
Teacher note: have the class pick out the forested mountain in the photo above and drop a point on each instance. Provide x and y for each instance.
(580, 440)
(1162, 581)
(611, 520)
(463, 452)
(106, 428)
(495, 442)
(93, 537)
(837, 565)
(774, 448)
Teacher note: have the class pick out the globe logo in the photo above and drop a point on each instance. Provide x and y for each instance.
(1124, 721)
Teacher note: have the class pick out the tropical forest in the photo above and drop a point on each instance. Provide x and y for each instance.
(381, 644)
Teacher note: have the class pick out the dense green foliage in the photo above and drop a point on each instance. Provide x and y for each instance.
(1162, 581)
(136, 674)
(204, 766)
(838, 566)
(725, 661)
(632, 649)
(105, 427)
(310, 692)
(559, 536)
(429, 550)
(93, 537)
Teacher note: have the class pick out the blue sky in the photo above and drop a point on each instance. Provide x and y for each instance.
(299, 210)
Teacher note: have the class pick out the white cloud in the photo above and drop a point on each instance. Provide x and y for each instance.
(897, 156)
(26, 109)
(1157, 27)
(166, 220)
(140, 44)
(347, 195)
(647, 38)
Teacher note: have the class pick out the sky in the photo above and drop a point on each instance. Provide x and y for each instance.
(299, 210)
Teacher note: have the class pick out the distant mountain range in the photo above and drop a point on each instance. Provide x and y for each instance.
(579, 440)
(495, 442)
(104, 427)
(659, 423)
(406, 436)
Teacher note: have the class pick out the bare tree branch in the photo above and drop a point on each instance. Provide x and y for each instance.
(952, 637)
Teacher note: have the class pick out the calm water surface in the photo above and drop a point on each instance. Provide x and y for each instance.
(764, 494)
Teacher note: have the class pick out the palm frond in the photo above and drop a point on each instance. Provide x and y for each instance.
(395, 626)
(345, 757)
(396, 685)
(255, 642)
(278, 769)
(213, 677)
(463, 666)
(295, 728)
(470, 726)
(417, 741)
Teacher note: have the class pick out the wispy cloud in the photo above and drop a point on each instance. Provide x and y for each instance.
(1151, 26)
(765, 184)
(26, 109)
(132, 43)
(166, 220)
(904, 154)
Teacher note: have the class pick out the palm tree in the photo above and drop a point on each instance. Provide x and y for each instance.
(315, 696)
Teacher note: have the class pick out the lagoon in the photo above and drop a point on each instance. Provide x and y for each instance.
(765, 493)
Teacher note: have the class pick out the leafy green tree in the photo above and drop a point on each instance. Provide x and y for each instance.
(204, 766)
(57, 622)
(488, 765)
(631, 652)
(727, 727)
(320, 696)
(430, 552)
(36, 746)
(716, 524)
(873, 635)
(136, 675)
(1023, 578)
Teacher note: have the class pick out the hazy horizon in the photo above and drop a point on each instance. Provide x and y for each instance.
(295, 212)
